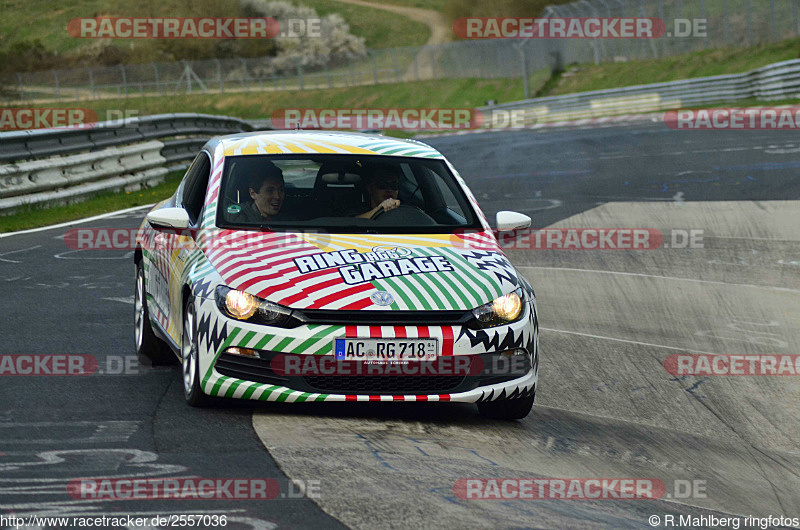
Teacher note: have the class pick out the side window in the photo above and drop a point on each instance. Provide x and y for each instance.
(194, 188)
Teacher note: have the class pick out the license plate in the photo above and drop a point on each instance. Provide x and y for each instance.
(388, 350)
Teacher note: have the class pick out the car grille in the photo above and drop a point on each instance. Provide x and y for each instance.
(260, 371)
(386, 318)
(376, 384)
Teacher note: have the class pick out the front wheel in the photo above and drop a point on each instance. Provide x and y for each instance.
(190, 366)
(507, 409)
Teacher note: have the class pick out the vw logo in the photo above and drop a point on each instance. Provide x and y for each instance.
(400, 251)
(381, 298)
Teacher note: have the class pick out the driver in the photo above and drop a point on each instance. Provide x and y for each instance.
(382, 187)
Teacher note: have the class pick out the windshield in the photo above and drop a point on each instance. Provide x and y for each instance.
(342, 193)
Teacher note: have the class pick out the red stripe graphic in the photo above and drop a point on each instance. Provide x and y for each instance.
(447, 340)
(375, 332)
(358, 304)
(325, 300)
(351, 332)
(260, 262)
(307, 291)
(400, 332)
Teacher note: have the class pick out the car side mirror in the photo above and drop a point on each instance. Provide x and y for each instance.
(508, 221)
(166, 218)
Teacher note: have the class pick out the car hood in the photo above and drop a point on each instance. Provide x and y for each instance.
(429, 272)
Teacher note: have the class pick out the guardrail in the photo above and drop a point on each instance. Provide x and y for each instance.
(178, 137)
(772, 82)
(106, 156)
(64, 178)
(26, 145)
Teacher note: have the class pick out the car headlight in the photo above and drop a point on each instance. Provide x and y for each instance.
(244, 306)
(499, 311)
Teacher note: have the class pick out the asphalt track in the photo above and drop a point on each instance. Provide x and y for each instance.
(606, 406)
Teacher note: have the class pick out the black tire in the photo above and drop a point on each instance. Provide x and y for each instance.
(150, 349)
(507, 409)
(190, 367)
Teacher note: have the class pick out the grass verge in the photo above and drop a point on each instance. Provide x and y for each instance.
(102, 203)
(585, 77)
(448, 93)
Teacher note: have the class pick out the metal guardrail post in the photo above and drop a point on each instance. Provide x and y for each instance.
(524, 64)
(158, 84)
(653, 47)
(705, 17)
(374, 67)
(350, 70)
(219, 77)
(328, 75)
(19, 85)
(394, 65)
(661, 16)
(608, 14)
(794, 17)
(91, 81)
(727, 23)
(124, 79)
(773, 27)
(299, 73)
(58, 88)
(628, 53)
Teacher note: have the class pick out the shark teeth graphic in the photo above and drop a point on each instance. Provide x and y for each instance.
(518, 393)
(210, 337)
(495, 263)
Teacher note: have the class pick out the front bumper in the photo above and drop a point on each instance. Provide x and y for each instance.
(232, 376)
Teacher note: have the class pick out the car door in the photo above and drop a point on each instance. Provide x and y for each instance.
(191, 197)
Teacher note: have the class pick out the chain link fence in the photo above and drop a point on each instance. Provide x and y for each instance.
(473, 59)
(722, 23)
(727, 23)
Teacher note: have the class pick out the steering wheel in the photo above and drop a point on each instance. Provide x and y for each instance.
(382, 211)
(405, 214)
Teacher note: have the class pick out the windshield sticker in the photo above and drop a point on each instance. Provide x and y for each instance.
(355, 267)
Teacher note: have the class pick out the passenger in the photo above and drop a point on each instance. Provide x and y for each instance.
(268, 191)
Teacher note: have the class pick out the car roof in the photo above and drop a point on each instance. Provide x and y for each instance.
(325, 142)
